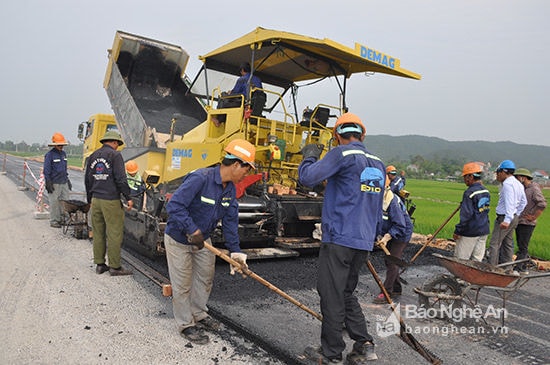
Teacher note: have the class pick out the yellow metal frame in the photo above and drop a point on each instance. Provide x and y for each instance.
(305, 58)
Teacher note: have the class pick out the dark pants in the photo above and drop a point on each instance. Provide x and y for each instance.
(337, 279)
(523, 236)
(392, 283)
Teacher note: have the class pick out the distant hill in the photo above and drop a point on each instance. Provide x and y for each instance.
(402, 148)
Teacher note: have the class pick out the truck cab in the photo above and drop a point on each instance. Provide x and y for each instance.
(91, 131)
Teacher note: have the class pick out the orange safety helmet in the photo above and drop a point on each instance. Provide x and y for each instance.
(243, 150)
(58, 140)
(131, 167)
(471, 168)
(349, 118)
(391, 170)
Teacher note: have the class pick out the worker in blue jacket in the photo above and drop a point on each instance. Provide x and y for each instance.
(351, 212)
(472, 230)
(395, 231)
(205, 197)
(56, 178)
(245, 81)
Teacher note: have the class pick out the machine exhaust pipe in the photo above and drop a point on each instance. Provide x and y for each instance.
(160, 204)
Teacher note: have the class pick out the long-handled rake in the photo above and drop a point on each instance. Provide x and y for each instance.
(261, 280)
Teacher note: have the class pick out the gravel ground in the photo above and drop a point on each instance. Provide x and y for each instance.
(54, 309)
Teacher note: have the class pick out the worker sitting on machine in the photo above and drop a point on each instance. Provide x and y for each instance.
(232, 99)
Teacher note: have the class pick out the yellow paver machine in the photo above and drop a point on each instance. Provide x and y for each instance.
(172, 124)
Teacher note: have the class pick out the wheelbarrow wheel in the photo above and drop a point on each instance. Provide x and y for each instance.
(441, 286)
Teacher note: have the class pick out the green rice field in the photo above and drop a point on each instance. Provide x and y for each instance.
(436, 200)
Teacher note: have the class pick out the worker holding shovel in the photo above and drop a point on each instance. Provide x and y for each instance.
(395, 232)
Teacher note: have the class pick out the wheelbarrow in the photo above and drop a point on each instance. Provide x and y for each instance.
(445, 292)
(75, 216)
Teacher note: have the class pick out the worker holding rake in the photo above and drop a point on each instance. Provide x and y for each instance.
(205, 197)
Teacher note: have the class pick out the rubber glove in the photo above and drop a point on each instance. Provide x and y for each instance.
(196, 239)
(241, 259)
(70, 185)
(49, 187)
(312, 150)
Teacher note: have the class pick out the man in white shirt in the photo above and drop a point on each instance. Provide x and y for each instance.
(511, 202)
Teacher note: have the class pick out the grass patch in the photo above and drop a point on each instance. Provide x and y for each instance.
(75, 161)
(436, 200)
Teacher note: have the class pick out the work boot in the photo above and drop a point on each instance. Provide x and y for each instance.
(101, 268)
(361, 353)
(55, 224)
(119, 272)
(314, 355)
(209, 324)
(195, 335)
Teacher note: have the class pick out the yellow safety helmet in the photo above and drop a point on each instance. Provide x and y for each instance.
(132, 167)
(349, 122)
(242, 150)
(58, 140)
(471, 168)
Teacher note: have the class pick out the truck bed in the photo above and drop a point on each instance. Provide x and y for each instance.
(147, 88)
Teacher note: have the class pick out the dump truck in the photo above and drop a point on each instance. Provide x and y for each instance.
(172, 125)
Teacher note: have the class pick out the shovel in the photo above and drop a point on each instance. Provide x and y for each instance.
(261, 280)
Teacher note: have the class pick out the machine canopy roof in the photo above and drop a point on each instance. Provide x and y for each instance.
(282, 58)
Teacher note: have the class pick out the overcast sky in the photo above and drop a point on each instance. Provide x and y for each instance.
(483, 63)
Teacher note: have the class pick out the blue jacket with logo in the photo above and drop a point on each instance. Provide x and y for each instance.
(199, 203)
(55, 166)
(474, 212)
(354, 192)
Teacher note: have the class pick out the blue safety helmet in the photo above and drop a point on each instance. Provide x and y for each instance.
(507, 166)
(349, 128)
(349, 123)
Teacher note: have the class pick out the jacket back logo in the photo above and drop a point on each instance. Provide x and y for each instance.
(372, 180)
